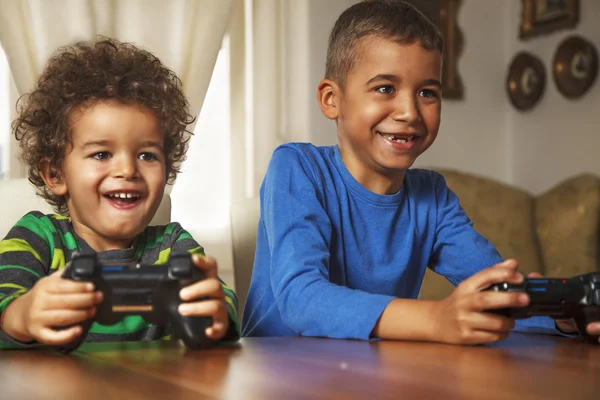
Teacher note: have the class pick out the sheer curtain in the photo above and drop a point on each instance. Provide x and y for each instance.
(277, 89)
(185, 34)
(202, 195)
(247, 114)
(4, 114)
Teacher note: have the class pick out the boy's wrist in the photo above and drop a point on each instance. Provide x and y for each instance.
(12, 321)
(432, 328)
(407, 319)
(233, 333)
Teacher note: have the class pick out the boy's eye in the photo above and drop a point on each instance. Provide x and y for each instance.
(147, 156)
(428, 93)
(386, 89)
(102, 155)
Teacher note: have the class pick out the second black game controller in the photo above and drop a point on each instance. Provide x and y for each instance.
(150, 291)
(576, 298)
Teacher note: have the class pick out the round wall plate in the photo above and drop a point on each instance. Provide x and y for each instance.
(575, 66)
(525, 81)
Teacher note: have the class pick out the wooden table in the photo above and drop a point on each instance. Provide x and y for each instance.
(521, 367)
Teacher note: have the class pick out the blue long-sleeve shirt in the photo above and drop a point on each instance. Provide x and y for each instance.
(331, 255)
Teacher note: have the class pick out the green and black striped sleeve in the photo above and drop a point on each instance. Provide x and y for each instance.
(26, 254)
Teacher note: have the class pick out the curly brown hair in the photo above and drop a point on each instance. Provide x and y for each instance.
(79, 76)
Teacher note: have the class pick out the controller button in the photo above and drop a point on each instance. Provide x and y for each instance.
(84, 268)
(181, 266)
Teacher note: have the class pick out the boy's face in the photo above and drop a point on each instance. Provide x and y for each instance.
(114, 175)
(388, 113)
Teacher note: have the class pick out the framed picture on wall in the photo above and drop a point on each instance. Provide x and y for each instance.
(444, 14)
(545, 16)
(452, 86)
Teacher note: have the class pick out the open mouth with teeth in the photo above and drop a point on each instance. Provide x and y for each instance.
(398, 138)
(123, 199)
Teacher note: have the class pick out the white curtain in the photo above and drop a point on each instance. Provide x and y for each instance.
(185, 34)
(278, 91)
(286, 59)
(239, 127)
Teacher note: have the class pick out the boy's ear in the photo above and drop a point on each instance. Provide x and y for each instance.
(328, 98)
(52, 178)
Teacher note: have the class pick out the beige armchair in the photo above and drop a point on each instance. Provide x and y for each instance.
(555, 233)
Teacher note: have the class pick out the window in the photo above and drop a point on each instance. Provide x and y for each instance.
(4, 114)
(201, 195)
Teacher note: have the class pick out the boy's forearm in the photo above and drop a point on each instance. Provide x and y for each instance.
(13, 323)
(233, 332)
(407, 319)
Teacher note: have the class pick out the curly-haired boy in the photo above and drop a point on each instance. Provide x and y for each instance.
(102, 134)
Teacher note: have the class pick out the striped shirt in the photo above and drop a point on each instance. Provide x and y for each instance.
(39, 245)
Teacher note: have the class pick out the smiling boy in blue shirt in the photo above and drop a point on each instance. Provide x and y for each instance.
(346, 232)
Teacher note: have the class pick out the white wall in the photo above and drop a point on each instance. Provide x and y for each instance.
(472, 135)
(559, 137)
(483, 133)
(322, 17)
(307, 26)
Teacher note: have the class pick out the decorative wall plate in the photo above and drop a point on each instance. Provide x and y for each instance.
(525, 81)
(575, 66)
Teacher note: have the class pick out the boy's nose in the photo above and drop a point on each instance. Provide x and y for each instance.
(406, 109)
(125, 167)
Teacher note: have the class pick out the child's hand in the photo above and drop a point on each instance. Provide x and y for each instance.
(461, 317)
(52, 302)
(210, 296)
(593, 329)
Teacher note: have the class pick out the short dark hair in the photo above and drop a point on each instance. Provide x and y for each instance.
(393, 19)
(82, 75)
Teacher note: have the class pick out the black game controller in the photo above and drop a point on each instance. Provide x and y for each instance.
(150, 291)
(576, 298)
